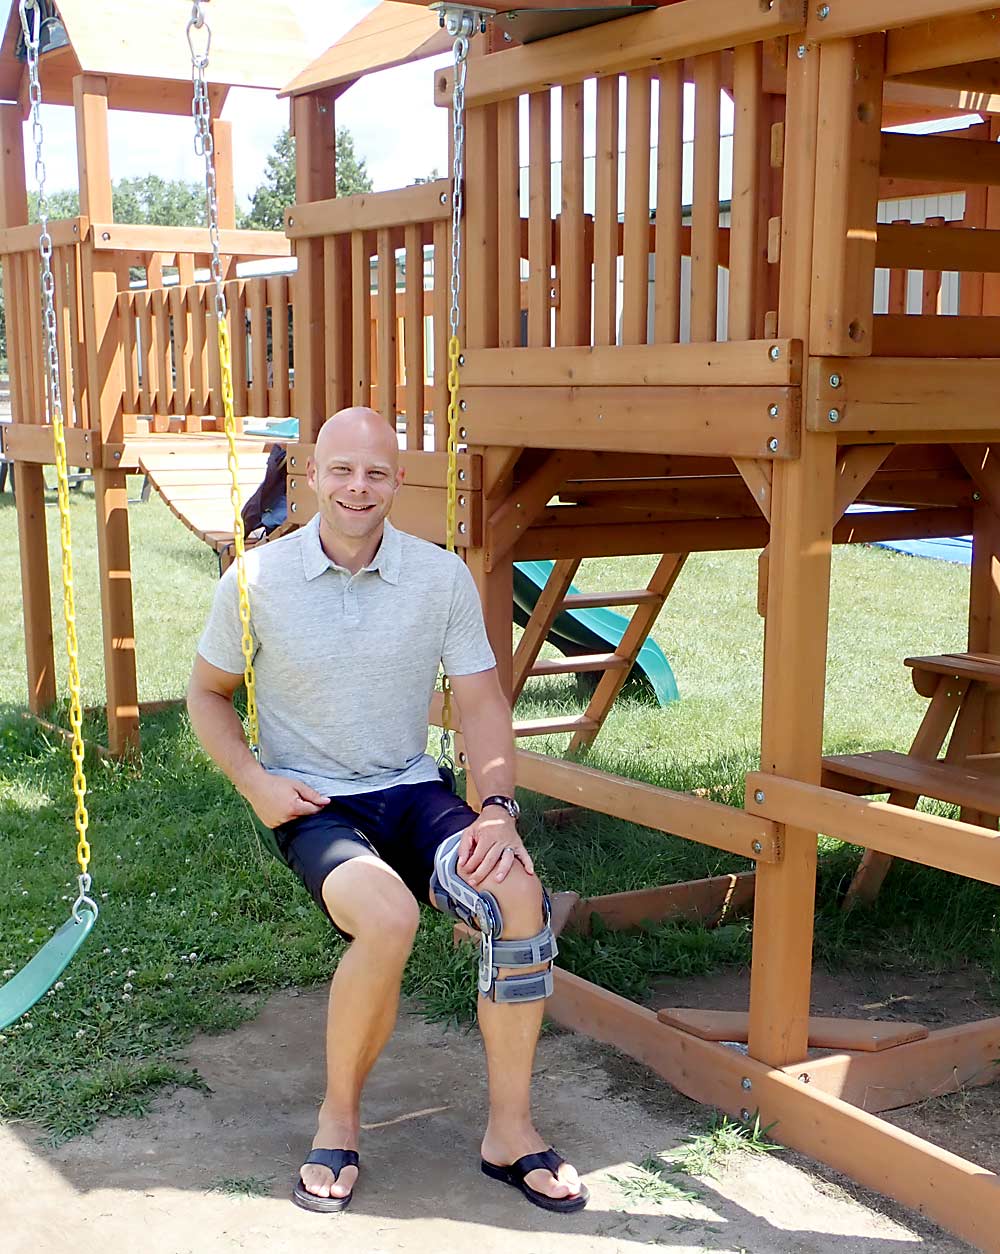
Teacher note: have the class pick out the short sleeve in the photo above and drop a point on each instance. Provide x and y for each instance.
(221, 641)
(466, 646)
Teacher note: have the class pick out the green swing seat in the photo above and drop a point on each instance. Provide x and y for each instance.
(35, 979)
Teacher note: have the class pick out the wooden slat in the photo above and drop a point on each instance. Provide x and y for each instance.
(635, 259)
(747, 133)
(147, 353)
(887, 771)
(257, 300)
(539, 218)
(126, 320)
(552, 726)
(705, 208)
(606, 213)
(63, 298)
(508, 225)
(865, 1035)
(573, 317)
(578, 664)
(941, 248)
(180, 318)
(236, 304)
(966, 162)
(127, 238)
(980, 668)
(361, 320)
(337, 321)
(164, 357)
(440, 330)
(75, 299)
(911, 335)
(199, 349)
(277, 297)
(597, 600)
(860, 17)
(550, 601)
(386, 305)
(413, 338)
(669, 189)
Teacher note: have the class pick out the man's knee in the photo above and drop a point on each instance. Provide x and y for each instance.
(520, 898)
(372, 904)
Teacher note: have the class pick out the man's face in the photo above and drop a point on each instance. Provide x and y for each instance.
(355, 481)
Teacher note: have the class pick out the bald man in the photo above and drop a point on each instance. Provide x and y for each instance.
(352, 620)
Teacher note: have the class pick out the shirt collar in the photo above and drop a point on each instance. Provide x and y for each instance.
(386, 561)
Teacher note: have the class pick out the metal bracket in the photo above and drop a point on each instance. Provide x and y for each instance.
(462, 19)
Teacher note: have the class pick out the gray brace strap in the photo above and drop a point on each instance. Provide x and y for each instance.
(481, 910)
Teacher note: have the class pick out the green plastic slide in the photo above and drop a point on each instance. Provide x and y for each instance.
(576, 632)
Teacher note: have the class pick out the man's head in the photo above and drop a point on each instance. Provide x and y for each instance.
(355, 473)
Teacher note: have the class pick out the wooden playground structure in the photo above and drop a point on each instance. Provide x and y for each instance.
(649, 365)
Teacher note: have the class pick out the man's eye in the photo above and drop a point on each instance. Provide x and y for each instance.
(377, 474)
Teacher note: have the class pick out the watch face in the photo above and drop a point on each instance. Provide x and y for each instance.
(508, 803)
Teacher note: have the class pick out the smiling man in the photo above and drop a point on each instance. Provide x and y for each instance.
(352, 620)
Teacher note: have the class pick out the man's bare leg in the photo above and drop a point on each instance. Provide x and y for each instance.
(510, 1035)
(364, 1001)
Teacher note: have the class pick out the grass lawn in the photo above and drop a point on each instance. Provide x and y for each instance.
(197, 925)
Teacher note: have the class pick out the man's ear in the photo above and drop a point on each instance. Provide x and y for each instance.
(400, 476)
(311, 472)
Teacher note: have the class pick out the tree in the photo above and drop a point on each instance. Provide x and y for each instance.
(277, 191)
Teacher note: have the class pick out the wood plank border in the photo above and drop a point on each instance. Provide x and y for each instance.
(370, 211)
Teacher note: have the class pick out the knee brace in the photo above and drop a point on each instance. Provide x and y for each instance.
(481, 910)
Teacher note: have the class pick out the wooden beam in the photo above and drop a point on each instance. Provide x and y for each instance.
(108, 236)
(746, 363)
(939, 159)
(912, 335)
(896, 394)
(24, 239)
(947, 844)
(724, 421)
(908, 247)
(847, 18)
(946, 39)
(694, 818)
(707, 901)
(685, 29)
(35, 443)
(427, 202)
(847, 175)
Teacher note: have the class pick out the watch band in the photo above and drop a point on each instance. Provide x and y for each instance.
(506, 803)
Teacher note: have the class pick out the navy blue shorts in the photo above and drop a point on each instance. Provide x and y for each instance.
(404, 826)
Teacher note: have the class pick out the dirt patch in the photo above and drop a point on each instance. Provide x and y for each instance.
(151, 1186)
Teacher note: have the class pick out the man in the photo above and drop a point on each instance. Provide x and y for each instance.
(351, 621)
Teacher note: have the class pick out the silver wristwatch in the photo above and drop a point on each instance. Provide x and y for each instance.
(507, 803)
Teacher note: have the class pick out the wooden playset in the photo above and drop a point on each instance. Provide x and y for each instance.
(672, 341)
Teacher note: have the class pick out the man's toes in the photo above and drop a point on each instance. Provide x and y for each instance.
(568, 1176)
(545, 1182)
(317, 1180)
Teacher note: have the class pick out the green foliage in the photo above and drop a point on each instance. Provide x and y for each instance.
(705, 1152)
(648, 1182)
(145, 199)
(277, 190)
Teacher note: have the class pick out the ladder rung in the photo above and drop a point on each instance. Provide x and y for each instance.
(598, 600)
(584, 662)
(551, 726)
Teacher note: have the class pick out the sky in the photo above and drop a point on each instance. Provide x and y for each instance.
(399, 144)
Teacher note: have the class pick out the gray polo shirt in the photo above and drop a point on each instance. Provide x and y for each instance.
(346, 664)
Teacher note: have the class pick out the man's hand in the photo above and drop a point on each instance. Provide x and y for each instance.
(276, 799)
(490, 847)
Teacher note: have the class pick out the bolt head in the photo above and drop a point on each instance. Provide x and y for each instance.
(757, 847)
(774, 352)
(835, 380)
(759, 796)
(746, 1084)
(461, 359)
(977, 496)
(773, 445)
(772, 411)
(745, 1115)
(801, 51)
(823, 12)
(463, 405)
(833, 415)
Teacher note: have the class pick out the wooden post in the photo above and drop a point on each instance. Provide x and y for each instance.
(315, 179)
(802, 510)
(28, 479)
(106, 377)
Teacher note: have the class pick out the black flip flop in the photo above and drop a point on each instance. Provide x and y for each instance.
(515, 1174)
(336, 1160)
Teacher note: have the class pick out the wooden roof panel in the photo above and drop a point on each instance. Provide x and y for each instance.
(255, 43)
(392, 34)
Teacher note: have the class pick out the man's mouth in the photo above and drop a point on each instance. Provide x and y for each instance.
(356, 509)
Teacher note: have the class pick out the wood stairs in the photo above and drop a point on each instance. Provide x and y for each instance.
(614, 667)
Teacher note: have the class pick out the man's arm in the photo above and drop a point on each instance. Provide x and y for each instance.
(492, 843)
(275, 798)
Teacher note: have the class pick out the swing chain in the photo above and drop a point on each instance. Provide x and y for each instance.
(461, 23)
(30, 13)
(201, 109)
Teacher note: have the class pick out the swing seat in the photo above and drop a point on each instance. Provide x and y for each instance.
(35, 979)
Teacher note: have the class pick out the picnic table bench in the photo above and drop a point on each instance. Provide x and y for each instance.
(958, 685)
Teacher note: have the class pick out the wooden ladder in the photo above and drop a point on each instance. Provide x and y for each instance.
(614, 667)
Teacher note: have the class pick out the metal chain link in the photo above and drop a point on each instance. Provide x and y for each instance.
(30, 14)
(201, 110)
